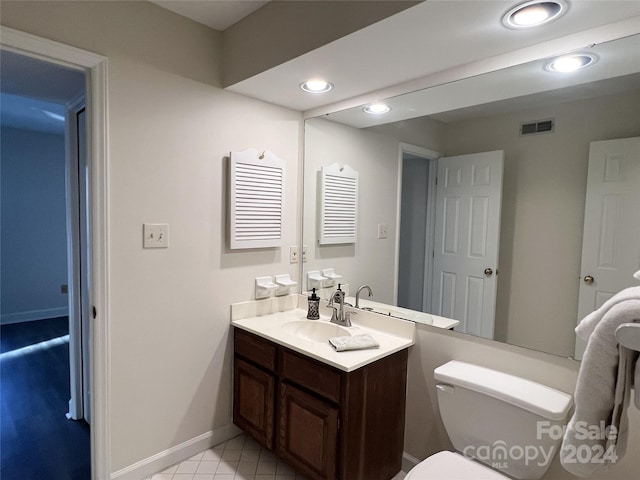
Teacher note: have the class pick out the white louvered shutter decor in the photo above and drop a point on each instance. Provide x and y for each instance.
(256, 200)
(339, 205)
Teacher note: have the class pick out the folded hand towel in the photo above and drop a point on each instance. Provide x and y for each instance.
(355, 342)
(589, 323)
(603, 387)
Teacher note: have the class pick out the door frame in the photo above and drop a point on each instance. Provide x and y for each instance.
(430, 156)
(95, 67)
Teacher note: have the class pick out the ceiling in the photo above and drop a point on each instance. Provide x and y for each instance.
(421, 42)
(512, 89)
(431, 37)
(217, 14)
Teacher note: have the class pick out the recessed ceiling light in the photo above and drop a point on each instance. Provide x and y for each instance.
(570, 63)
(534, 13)
(316, 86)
(377, 108)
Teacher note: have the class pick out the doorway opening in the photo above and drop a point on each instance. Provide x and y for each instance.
(415, 241)
(45, 351)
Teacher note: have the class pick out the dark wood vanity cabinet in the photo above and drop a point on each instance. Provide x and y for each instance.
(326, 423)
(255, 412)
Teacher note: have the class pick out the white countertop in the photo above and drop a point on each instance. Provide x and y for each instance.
(406, 314)
(267, 318)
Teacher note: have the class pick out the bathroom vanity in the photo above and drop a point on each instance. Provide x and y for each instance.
(330, 415)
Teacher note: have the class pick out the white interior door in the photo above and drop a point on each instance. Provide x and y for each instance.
(611, 238)
(468, 207)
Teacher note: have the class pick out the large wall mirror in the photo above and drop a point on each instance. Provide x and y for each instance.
(543, 184)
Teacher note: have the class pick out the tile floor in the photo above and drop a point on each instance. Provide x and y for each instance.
(240, 458)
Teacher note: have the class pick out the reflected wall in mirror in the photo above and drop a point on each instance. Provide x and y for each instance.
(544, 187)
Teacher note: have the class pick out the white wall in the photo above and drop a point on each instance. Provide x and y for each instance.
(543, 210)
(170, 128)
(34, 235)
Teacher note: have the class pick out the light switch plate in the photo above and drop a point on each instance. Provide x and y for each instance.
(383, 230)
(156, 235)
(294, 254)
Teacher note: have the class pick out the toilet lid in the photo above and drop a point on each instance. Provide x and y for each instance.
(452, 466)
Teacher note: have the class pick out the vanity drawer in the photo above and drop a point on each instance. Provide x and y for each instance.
(311, 374)
(251, 347)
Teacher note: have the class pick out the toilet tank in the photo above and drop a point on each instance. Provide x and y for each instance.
(511, 424)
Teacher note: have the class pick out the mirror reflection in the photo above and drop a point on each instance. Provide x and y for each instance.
(537, 275)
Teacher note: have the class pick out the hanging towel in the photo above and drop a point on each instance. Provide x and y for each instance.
(636, 385)
(355, 342)
(589, 323)
(603, 388)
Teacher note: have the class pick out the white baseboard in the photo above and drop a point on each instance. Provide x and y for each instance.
(33, 315)
(163, 460)
(409, 461)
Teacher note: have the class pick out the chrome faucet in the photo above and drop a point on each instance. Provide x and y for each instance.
(358, 294)
(339, 317)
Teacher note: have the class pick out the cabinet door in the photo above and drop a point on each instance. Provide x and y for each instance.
(253, 401)
(308, 433)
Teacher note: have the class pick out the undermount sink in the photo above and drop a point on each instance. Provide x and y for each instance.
(314, 330)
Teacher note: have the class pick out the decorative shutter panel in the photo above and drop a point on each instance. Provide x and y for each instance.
(338, 205)
(256, 197)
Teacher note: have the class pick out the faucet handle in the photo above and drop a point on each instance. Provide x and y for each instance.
(334, 315)
(347, 318)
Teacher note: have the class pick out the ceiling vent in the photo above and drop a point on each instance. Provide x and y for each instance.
(539, 126)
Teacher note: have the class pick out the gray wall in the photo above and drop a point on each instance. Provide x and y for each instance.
(33, 230)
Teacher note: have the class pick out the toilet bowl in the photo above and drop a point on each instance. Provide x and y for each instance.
(501, 423)
(449, 465)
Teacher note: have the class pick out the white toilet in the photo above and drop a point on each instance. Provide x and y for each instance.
(510, 424)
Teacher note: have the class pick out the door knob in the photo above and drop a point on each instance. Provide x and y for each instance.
(488, 272)
(588, 279)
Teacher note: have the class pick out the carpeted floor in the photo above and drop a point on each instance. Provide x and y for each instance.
(37, 441)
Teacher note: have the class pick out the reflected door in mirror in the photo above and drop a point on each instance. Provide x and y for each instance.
(611, 240)
(468, 205)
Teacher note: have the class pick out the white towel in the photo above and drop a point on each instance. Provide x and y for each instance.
(603, 388)
(355, 342)
(636, 385)
(589, 323)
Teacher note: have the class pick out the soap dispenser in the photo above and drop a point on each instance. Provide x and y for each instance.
(314, 306)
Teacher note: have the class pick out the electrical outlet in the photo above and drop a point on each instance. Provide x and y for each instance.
(383, 230)
(304, 253)
(156, 235)
(294, 254)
